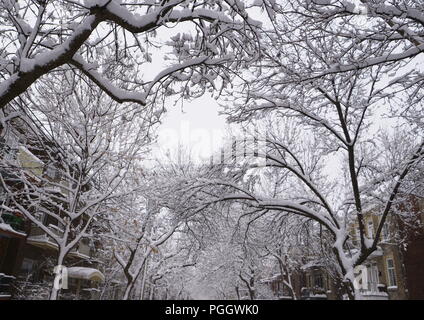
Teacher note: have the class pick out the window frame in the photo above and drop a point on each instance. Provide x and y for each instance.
(391, 273)
(370, 229)
(385, 231)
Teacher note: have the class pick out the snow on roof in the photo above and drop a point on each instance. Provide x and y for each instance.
(85, 273)
(31, 155)
(43, 241)
(376, 253)
(91, 289)
(312, 264)
(3, 275)
(275, 276)
(373, 293)
(10, 230)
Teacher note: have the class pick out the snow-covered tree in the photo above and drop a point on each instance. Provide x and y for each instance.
(345, 73)
(150, 236)
(305, 158)
(81, 150)
(330, 92)
(113, 43)
(138, 235)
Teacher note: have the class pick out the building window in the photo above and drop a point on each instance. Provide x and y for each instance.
(357, 236)
(385, 231)
(391, 272)
(319, 281)
(27, 265)
(372, 273)
(370, 230)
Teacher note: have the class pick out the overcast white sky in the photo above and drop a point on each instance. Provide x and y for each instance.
(196, 126)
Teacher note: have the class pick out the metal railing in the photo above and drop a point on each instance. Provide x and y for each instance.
(82, 247)
(5, 286)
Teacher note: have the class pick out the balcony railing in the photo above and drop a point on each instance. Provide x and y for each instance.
(372, 287)
(374, 291)
(5, 286)
(15, 221)
(37, 231)
(38, 237)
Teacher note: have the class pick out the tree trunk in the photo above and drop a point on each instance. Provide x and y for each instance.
(348, 283)
(143, 281)
(350, 290)
(128, 290)
(290, 286)
(252, 290)
(238, 292)
(57, 282)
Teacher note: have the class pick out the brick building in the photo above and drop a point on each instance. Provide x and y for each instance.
(26, 251)
(394, 270)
